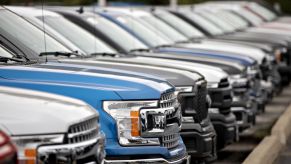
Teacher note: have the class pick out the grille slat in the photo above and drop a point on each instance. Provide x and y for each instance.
(83, 131)
(170, 141)
(168, 100)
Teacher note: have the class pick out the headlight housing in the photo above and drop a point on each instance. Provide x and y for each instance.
(238, 81)
(212, 85)
(184, 89)
(27, 146)
(126, 115)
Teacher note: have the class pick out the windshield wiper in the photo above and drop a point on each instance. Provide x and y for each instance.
(59, 53)
(164, 46)
(140, 50)
(7, 59)
(104, 54)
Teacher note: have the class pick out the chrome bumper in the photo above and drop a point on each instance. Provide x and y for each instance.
(71, 153)
(184, 160)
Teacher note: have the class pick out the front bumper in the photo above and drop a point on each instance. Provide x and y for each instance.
(225, 127)
(130, 154)
(184, 160)
(200, 140)
(245, 118)
(83, 152)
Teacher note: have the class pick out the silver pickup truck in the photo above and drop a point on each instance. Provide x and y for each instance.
(49, 128)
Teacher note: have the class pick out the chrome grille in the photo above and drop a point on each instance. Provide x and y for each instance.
(170, 141)
(168, 100)
(83, 131)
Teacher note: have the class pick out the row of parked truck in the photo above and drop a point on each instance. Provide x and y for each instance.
(136, 84)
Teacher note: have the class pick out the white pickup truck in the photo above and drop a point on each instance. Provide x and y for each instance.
(49, 128)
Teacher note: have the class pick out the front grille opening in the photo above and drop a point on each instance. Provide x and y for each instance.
(83, 131)
(170, 141)
(168, 100)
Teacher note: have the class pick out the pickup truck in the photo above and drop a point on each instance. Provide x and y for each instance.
(36, 124)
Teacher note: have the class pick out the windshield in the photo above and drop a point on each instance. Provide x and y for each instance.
(116, 33)
(180, 25)
(28, 34)
(152, 38)
(251, 17)
(267, 14)
(204, 23)
(80, 37)
(218, 22)
(164, 28)
(233, 19)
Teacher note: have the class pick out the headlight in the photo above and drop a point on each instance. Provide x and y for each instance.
(252, 71)
(27, 146)
(186, 89)
(238, 81)
(212, 85)
(126, 115)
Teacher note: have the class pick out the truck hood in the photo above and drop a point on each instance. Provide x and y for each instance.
(230, 68)
(257, 37)
(237, 50)
(127, 87)
(208, 54)
(211, 74)
(26, 112)
(174, 76)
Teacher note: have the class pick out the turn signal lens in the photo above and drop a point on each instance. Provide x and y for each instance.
(278, 56)
(30, 155)
(134, 116)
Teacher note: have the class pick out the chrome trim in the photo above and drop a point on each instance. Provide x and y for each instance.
(70, 152)
(187, 89)
(185, 159)
(86, 132)
(159, 117)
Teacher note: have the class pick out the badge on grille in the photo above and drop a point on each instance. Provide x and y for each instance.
(159, 121)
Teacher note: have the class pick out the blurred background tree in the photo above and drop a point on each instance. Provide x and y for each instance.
(285, 4)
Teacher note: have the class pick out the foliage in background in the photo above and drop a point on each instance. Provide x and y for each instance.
(285, 4)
